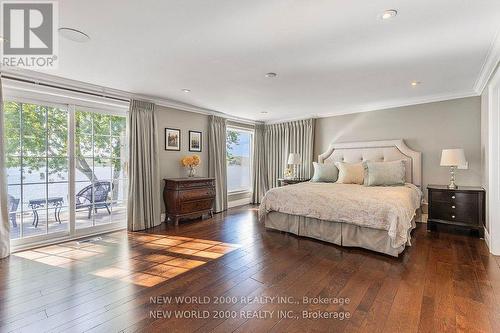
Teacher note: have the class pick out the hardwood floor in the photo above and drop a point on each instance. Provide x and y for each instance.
(122, 281)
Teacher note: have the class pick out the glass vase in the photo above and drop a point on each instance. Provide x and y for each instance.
(191, 171)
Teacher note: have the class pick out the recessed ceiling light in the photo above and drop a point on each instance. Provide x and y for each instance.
(186, 90)
(74, 35)
(271, 74)
(388, 14)
(415, 83)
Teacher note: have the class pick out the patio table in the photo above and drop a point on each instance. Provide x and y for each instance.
(55, 202)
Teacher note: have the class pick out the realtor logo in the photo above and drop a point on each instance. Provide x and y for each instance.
(29, 33)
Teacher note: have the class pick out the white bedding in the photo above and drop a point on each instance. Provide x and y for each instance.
(388, 208)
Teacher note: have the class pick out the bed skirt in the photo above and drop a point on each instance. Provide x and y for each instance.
(338, 233)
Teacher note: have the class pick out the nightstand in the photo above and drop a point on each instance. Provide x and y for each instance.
(291, 181)
(462, 207)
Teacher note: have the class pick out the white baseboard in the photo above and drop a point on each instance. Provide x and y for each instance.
(240, 202)
(487, 238)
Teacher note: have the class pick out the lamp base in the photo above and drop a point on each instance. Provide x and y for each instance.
(452, 185)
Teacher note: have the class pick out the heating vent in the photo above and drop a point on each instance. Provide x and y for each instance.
(89, 240)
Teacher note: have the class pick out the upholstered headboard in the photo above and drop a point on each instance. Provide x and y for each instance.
(388, 150)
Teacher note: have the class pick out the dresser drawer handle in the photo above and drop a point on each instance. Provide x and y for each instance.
(453, 207)
(453, 216)
(453, 197)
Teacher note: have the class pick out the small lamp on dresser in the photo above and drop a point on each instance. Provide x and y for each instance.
(294, 159)
(453, 158)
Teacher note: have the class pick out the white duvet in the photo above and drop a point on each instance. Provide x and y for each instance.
(388, 208)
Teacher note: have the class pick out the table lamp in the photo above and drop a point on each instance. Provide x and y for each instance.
(453, 158)
(294, 159)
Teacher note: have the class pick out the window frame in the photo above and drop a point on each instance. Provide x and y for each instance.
(252, 134)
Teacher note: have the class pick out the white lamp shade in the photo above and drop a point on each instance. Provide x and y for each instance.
(294, 158)
(453, 157)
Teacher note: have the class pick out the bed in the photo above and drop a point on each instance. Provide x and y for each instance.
(378, 218)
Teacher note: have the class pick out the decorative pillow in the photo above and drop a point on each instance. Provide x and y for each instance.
(350, 173)
(327, 173)
(384, 173)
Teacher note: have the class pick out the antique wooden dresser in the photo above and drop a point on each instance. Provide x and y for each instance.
(188, 197)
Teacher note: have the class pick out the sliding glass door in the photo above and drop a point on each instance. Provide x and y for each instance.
(51, 195)
(37, 168)
(100, 168)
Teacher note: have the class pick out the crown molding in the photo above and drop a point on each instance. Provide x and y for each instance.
(384, 105)
(38, 77)
(489, 65)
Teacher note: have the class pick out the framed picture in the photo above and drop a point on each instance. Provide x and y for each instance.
(195, 141)
(172, 139)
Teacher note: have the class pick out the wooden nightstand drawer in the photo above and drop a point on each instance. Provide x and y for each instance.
(465, 213)
(453, 197)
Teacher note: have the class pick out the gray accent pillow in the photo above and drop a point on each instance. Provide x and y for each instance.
(327, 173)
(384, 173)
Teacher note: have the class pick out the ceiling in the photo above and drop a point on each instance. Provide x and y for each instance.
(331, 56)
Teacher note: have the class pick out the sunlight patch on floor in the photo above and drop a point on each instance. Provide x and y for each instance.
(146, 260)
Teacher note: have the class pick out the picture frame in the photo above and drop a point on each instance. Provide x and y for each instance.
(172, 139)
(195, 141)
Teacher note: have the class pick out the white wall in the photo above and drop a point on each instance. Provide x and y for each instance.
(427, 128)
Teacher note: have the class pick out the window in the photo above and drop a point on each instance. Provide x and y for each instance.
(239, 151)
(45, 188)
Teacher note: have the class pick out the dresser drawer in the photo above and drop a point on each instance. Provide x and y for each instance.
(195, 206)
(453, 197)
(197, 193)
(196, 183)
(463, 213)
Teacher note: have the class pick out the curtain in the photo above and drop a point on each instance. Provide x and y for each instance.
(285, 138)
(4, 214)
(144, 194)
(217, 160)
(260, 180)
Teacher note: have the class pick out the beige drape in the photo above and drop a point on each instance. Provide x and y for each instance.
(284, 138)
(217, 160)
(144, 192)
(260, 179)
(4, 214)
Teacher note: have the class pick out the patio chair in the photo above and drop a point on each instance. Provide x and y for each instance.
(99, 191)
(12, 203)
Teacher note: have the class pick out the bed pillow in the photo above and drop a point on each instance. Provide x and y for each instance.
(384, 173)
(327, 173)
(350, 173)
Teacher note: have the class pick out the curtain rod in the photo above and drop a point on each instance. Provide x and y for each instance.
(13, 78)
